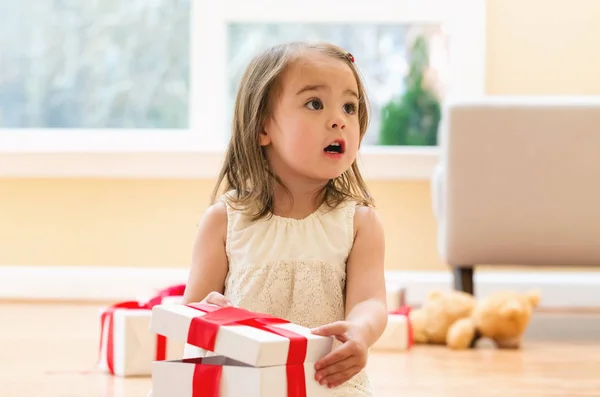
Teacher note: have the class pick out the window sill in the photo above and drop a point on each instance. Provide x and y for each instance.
(377, 163)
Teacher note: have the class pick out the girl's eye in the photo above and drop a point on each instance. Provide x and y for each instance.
(350, 108)
(314, 104)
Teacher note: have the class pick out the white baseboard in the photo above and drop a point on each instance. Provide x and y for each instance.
(85, 282)
(559, 289)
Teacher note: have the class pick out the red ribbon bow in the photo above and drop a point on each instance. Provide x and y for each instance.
(108, 315)
(203, 332)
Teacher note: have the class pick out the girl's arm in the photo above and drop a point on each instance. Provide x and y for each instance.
(366, 302)
(366, 308)
(209, 260)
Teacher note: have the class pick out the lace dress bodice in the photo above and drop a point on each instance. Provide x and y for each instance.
(294, 269)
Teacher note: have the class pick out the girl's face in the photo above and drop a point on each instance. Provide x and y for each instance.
(313, 132)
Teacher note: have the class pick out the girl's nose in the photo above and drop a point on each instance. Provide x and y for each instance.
(338, 124)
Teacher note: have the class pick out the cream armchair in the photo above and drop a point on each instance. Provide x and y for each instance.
(518, 183)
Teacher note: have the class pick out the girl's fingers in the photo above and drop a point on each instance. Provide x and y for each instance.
(335, 368)
(218, 299)
(341, 353)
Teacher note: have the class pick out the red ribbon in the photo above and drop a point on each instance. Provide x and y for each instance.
(176, 290)
(203, 333)
(405, 311)
(108, 315)
(207, 379)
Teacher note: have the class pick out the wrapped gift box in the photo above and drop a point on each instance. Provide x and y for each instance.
(246, 339)
(224, 377)
(252, 354)
(127, 346)
(397, 335)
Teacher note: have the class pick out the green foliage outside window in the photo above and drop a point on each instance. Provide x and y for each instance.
(412, 119)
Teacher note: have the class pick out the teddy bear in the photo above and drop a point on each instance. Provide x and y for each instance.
(459, 320)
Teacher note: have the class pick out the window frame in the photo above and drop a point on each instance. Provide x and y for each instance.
(197, 151)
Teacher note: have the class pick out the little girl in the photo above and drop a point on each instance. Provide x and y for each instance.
(294, 234)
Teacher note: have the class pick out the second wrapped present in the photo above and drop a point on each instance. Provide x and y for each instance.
(398, 335)
(127, 347)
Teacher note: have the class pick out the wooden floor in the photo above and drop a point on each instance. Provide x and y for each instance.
(45, 351)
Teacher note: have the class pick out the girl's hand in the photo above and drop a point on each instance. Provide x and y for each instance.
(344, 362)
(217, 299)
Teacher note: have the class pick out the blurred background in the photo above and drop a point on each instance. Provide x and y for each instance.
(113, 119)
(113, 114)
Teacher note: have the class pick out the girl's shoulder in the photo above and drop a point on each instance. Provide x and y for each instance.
(216, 215)
(366, 218)
(362, 210)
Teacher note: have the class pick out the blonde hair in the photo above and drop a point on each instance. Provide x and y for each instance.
(245, 169)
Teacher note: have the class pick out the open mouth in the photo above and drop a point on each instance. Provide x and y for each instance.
(335, 147)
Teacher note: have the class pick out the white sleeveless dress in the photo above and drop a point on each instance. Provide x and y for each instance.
(294, 269)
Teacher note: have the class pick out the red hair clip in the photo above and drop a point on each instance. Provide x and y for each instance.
(350, 57)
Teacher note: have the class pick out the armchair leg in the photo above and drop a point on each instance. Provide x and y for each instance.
(463, 279)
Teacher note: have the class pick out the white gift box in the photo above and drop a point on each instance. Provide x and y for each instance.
(180, 378)
(397, 335)
(246, 344)
(248, 353)
(135, 346)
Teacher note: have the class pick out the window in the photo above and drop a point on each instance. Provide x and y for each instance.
(159, 76)
(95, 64)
